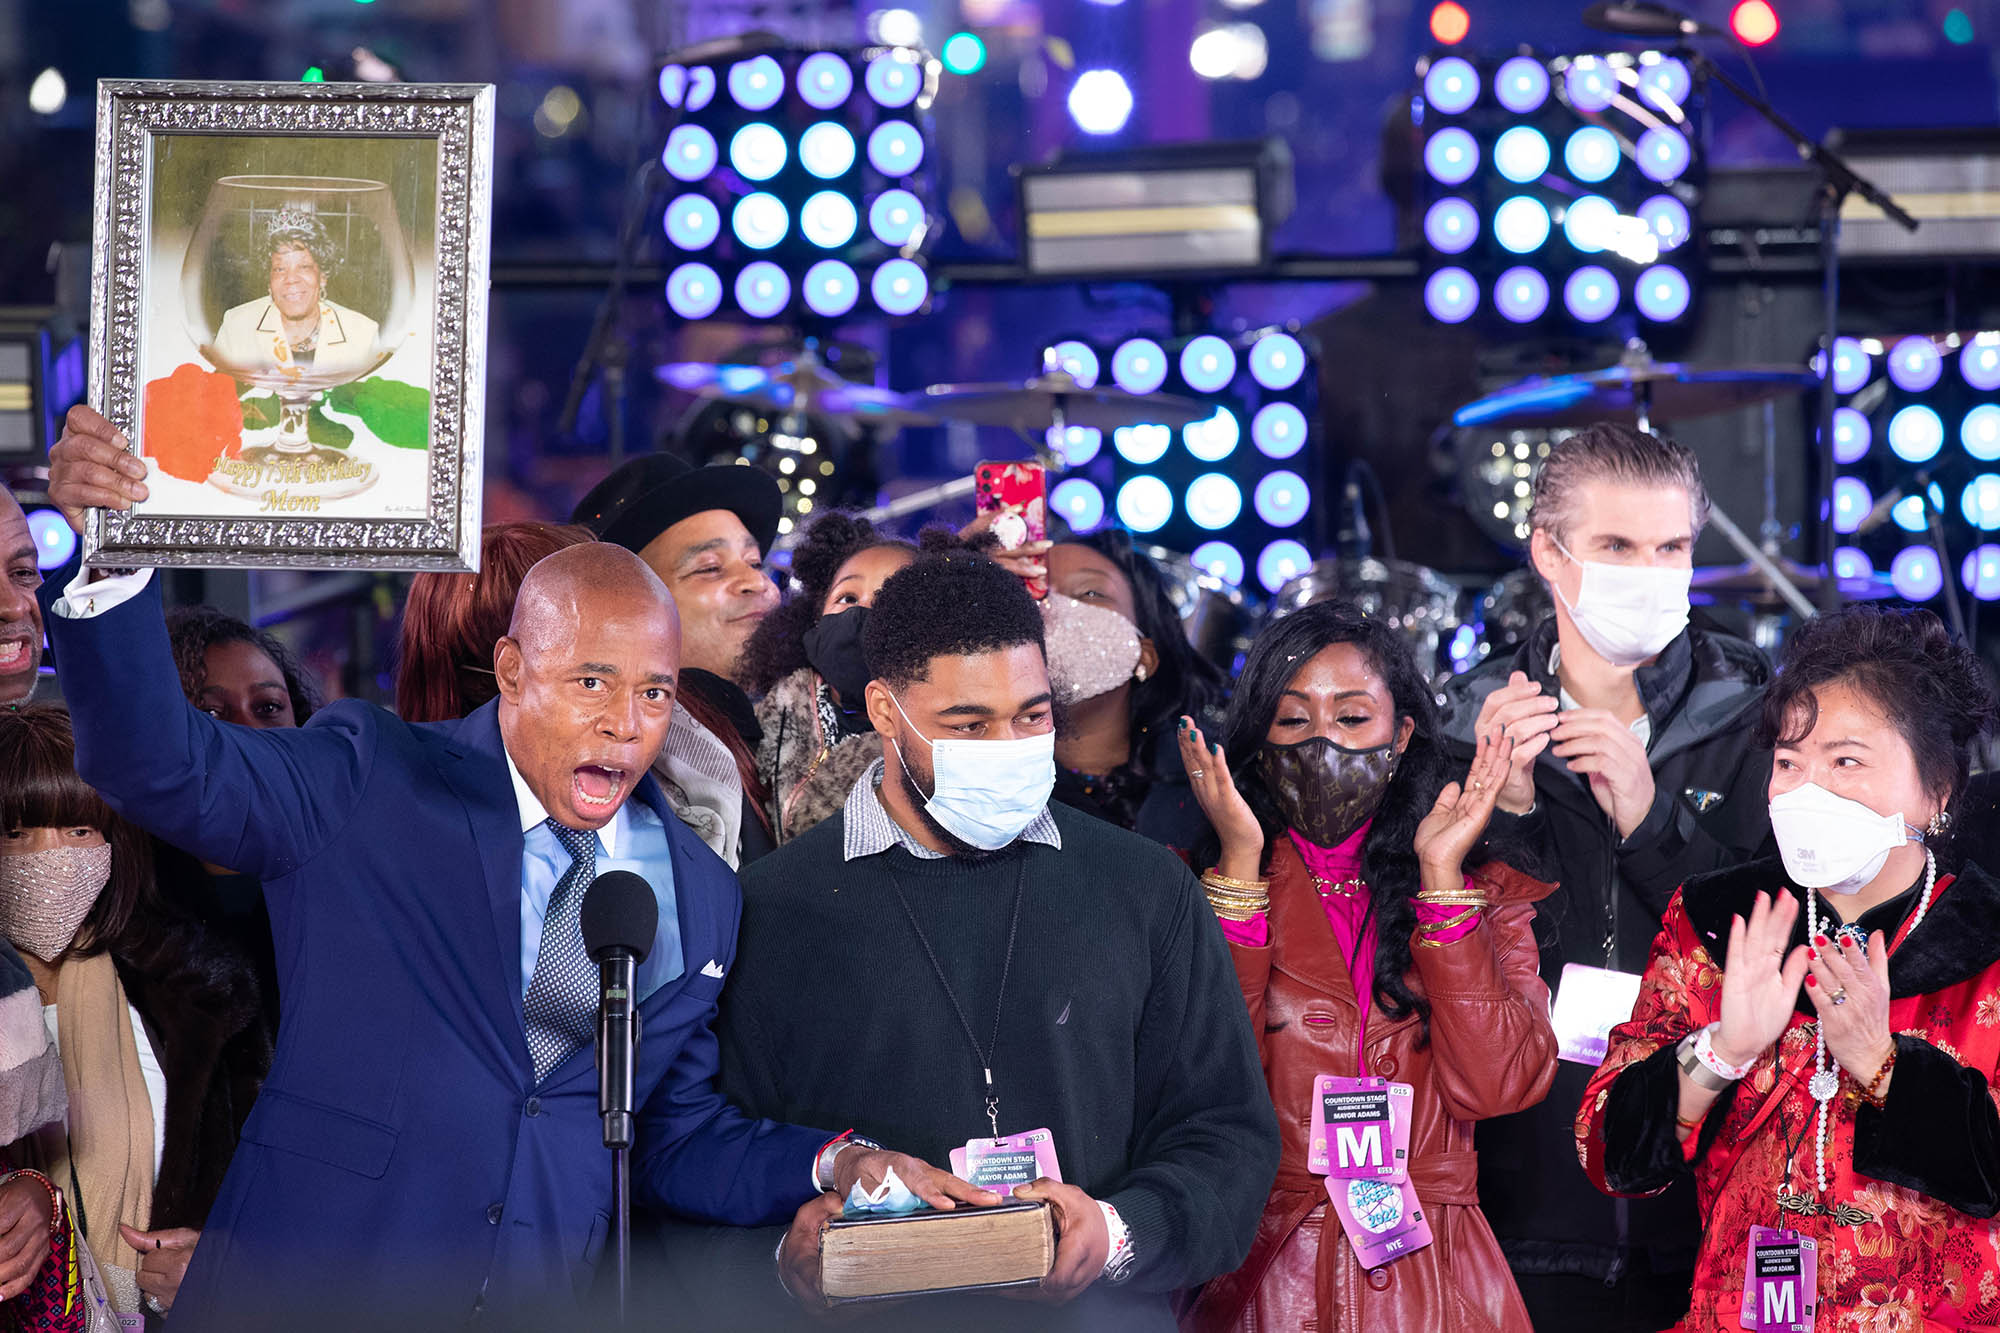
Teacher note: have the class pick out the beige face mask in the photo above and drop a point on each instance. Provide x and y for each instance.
(1092, 649)
(45, 896)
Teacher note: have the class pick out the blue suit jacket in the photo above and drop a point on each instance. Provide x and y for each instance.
(401, 1159)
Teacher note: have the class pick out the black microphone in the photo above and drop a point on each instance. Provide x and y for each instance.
(1354, 540)
(1642, 18)
(619, 918)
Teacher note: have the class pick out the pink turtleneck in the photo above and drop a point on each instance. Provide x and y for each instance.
(1353, 925)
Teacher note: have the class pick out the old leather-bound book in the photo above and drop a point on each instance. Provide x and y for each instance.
(902, 1254)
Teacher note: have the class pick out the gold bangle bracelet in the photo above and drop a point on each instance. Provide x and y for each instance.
(1217, 880)
(1439, 927)
(1239, 904)
(1243, 914)
(1453, 900)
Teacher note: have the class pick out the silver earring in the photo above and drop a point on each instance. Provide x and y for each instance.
(1141, 674)
(1939, 823)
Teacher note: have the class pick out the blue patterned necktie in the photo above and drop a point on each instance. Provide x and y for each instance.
(561, 1007)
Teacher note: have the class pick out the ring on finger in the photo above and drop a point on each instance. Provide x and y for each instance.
(1839, 996)
(1197, 774)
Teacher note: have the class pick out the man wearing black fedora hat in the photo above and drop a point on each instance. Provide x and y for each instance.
(704, 531)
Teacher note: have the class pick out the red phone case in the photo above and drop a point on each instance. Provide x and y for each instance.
(1017, 495)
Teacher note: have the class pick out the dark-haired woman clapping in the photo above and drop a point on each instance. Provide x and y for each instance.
(1366, 952)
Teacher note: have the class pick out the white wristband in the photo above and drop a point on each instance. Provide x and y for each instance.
(1704, 1051)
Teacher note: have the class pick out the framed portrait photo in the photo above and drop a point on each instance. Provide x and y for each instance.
(288, 319)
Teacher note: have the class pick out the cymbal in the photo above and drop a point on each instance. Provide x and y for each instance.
(1666, 390)
(801, 385)
(1039, 404)
(1746, 583)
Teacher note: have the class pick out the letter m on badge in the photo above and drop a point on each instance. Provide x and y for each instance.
(1780, 1304)
(1358, 1146)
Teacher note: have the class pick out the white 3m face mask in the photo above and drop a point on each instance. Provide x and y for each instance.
(1831, 843)
(1628, 613)
(986, 793)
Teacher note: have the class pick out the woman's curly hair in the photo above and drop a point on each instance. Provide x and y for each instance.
(193, 630)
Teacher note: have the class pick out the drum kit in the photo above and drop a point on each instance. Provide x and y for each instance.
(1448, 625)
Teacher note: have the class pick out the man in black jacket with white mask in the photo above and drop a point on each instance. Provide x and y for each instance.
(1633, 772)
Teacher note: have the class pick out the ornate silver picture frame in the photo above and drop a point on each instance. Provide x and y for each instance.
(288, 311)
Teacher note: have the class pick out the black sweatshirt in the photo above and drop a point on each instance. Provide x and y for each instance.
(1122, 1030)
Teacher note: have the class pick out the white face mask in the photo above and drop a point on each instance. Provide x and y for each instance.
(1628, 613)
(1092, 649)
(45, 896)
(1832, 843)
(986, 793)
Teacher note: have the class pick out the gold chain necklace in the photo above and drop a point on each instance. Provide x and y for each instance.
(1346, 888)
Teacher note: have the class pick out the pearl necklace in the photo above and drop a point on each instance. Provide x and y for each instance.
(1826, 1073)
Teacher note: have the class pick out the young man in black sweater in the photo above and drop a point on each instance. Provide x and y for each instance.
(950, 923)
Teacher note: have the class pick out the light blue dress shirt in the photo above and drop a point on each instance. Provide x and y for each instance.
(634, 840)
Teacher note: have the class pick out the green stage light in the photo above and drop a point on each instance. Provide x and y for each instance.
(964, 53)
(313, 74)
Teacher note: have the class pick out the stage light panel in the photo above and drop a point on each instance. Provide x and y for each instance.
(895, 148)
(1662, 293)
(1221, 560)
(1145, 504)
(1979, 362)
(893, 79)
(1910, 515)
(1451, 295)
(1851, 436)
(1667, 219)
(828, 219)
(1916, 433)
(1851, 562)
(760, 220)
(694, 291)
(900, 287)
(758, 152)
(1980, 572)
(1591, 154)
(1142, 445)
(1663, 154)
(1851, 365)
(690, 153)
(1851, 502)
(1213, 439)
(1281, 562)
(1452, 85)
(1080, 503)
(1075, 445)
(827, 150)
(1139, 365)
(756, 84)
(831, 288)
(1590, 223)
(54, 538)
(1521, 225)
(1914, 364)
(762, 289)
(1664, 81)
(692, 222)
(1278, 430)
(825, 81)
(1979, 502)
(1213, 501)
(1521, 154)
(1077, 360)
(1522, 85)
(1451, 226)
(1282, 498)
(1277, 360)
(1521, 294)
(1208, 363)
(1590, 294)
(1590, 84)
(1451, 156)
(894, 217)
(1916, 574)
(1979, 432)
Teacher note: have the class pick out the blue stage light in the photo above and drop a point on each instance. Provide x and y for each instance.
(1452, 85)
(1281, 562)
(1078, 360)
(1979, 363)
(1451, 295)
(1278, 430)
(673, 84)
(1981, 572)
(1667, 219)
(1139, 365)
(900, 287)
(894, 217)
(701, 87)
(1590, 223)
(1522, 84)
(762, 289)
(1980, 502)
(1590, 83)
(690, 153)
(1591, 154)
(1851, 562)
(693, 222)
(1664, 82)
(1910, 514)
(54, 538)
(831, 289)
(825, 80)
(1851, 435)
(757, 83)
(694, 291)
(1079, 502)
(1590, 294)
(1663, 154)
(1100, 101)
(1451, 156)
(1142, 445)
(1662, 293)
(1521, 294)
(1219, 559)
(1521, 154)
(757, 151)
(760, 220)
(1916, 434)
(1521, 224)
(826, 150)
(1914, 364)
(1282, 498)
(1213, 501)
(895, 148)
(1980, 432)
(828, 219)
(1451, 225)
(1208, 363)
(1277, 360)
(1851, 502)
(1213, 438)
(893, 79)
(1075, 445)
(1145, 504)
(1851, 365)
(1916, 574)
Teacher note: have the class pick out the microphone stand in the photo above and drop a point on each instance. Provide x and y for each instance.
(618, 1026)
(1837, 181)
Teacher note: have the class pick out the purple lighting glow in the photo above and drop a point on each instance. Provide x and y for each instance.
(1451, 295)
(1914, 364)
(1916, 575)
(1451, 226)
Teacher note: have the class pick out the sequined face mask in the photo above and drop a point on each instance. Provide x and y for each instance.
(1326, 791)
(1092, 649)
(44, 896)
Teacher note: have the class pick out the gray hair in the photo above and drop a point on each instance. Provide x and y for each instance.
(1614, 452)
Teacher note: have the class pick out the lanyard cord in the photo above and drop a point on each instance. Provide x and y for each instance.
(985, 1056)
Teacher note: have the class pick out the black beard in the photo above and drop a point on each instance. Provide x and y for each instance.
(920, 803)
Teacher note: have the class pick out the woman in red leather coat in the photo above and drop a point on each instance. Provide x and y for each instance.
(1365, 950)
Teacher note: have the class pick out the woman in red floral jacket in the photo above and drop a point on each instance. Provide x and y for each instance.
(1818, 1034)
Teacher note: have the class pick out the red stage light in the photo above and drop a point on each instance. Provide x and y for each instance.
(1754, 22)
(1450, 23)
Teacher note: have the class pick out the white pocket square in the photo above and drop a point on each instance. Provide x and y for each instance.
(714, 969)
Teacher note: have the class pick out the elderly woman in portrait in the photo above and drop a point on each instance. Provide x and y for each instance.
(1818, 1033)
(294, 327)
